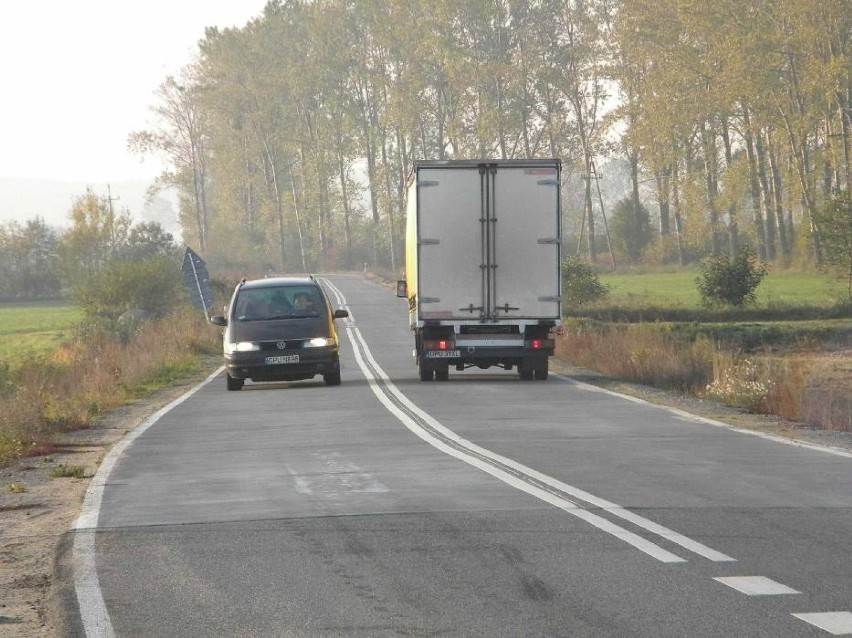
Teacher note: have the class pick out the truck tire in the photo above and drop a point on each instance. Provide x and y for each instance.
(426, 371)
(541, 371)
(442, 372)
(526, 371)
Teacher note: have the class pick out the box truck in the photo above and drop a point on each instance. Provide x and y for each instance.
(482, 265)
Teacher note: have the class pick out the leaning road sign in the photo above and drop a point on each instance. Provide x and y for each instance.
(197, 281)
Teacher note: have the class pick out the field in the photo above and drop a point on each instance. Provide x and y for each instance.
(678, 289)
(34, 328)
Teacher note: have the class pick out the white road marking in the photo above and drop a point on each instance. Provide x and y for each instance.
(837, 623)
(93, 612)
(756, 585)
(572, 508)
(468, 452)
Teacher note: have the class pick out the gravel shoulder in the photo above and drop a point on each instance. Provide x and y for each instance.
(37, 511)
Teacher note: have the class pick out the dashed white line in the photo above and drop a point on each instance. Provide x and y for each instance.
(756, 585)
(837, 623)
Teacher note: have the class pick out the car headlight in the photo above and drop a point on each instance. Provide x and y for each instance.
(319, 342)
(242, 346)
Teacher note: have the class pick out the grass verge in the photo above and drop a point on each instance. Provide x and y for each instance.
(99, 369)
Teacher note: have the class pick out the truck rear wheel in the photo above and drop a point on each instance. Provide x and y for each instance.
(541, 371)
(525, 370)
(442, 373)
(426, 370)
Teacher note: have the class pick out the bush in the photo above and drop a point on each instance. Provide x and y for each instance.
(153, 283)
(580, 284)
(730, 282)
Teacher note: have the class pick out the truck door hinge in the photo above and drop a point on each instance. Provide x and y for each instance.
(506, 308)
(424, 241)
(471, 309)
(549, 240)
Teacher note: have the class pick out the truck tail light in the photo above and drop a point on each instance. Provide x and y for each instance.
(440, 344)
(535, 344)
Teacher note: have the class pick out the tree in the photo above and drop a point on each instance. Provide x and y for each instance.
(834, 221)
(631, 228)
(147, 239)
(29, 260)
(181, 136)
(96, 236)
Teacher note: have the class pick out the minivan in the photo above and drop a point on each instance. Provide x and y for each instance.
(280, 329)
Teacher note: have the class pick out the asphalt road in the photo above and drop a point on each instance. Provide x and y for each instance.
(481, 506)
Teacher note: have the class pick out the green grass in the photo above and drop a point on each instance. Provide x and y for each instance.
(678, 290)
(28, 328)
(68, 471)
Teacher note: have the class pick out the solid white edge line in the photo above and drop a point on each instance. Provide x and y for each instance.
(93, 612)
(566, 505)
(719, 424)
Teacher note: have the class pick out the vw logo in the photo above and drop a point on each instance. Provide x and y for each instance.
(281, 345)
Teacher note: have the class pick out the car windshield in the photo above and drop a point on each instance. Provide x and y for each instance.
(281, 302)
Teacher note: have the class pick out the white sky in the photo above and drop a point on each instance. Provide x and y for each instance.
(77, 76)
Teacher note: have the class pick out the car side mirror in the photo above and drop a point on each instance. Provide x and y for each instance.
(218, 320)
(340, 313)
(401, 288)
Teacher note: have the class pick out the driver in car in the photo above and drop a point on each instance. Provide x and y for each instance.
(304, 302)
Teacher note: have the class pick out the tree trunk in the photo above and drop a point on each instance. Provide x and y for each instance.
(708, 141)
(777, 207)
(757, 192)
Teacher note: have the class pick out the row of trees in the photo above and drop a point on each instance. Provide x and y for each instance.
(290, 139)
(101, 258)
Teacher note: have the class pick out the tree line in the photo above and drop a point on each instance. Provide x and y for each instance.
(290, 139)
(103, 260)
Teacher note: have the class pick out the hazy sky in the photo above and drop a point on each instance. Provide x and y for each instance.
(79, 75)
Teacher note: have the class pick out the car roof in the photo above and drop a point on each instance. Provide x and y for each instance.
(277, 282)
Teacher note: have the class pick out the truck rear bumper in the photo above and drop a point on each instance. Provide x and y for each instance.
(476, 354)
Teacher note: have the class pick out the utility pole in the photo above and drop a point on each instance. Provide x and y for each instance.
(109, 199)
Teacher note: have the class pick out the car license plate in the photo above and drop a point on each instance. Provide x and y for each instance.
(289, 358)
(442, 354)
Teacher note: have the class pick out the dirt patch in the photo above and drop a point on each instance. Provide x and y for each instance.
(38, 510)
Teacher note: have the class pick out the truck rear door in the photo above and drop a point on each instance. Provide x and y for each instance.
(450, 243)
(526, 241)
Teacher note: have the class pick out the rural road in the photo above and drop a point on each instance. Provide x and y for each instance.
(481, 506)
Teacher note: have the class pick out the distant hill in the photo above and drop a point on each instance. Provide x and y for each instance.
(23, 199)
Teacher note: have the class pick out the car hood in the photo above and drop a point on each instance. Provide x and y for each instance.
(271, 330)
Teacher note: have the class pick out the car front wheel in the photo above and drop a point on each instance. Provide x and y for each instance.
(234, 384)
(332, 378)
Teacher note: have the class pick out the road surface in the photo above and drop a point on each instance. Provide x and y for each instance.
(481, 506)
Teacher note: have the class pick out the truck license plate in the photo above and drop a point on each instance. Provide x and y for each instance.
(442, 354)
(289, 358)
